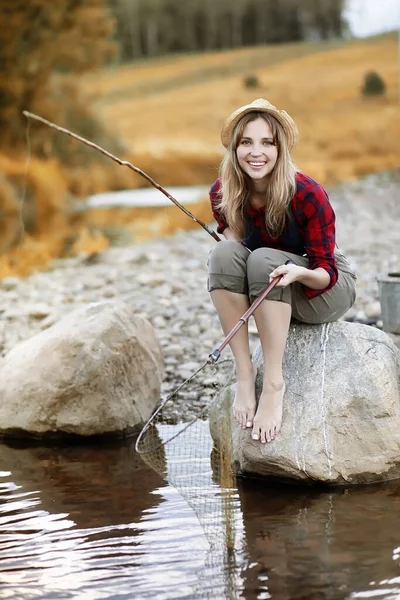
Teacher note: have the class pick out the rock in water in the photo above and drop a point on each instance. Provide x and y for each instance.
(341, 418)
(97, 371)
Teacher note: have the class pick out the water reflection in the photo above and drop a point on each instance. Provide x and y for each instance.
(96, 522)
(316, 544)
(102, 485)
(93, 522)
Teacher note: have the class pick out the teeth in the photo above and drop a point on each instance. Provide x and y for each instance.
(256, 164)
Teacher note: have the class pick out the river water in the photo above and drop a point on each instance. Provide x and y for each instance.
(96, 522)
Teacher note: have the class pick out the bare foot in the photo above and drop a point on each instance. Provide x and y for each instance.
(244, 405)
(268, 419)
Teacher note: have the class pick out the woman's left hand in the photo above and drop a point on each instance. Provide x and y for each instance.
(290, 273)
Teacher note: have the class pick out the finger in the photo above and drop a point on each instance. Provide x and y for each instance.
(276, 274)
(283, 281)
(278, 271)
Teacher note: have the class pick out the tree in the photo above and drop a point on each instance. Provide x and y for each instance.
(150, 27)
(40, 40)
(128, 28)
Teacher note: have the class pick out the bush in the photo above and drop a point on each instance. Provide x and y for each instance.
(373, 84)
(251, 81)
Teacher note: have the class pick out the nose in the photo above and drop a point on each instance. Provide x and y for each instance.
(256, 150)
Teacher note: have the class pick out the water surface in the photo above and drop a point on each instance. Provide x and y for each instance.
(96, 522)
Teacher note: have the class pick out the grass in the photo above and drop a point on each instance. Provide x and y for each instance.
(342, 134)
(168, 114)
(153, 76)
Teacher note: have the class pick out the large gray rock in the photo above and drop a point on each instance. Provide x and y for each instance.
(96, 371)
(341, 418)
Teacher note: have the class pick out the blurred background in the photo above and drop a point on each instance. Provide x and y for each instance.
(152, 81)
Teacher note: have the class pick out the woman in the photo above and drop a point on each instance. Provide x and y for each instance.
(269, 213)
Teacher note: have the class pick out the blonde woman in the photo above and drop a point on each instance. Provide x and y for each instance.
(269, 212)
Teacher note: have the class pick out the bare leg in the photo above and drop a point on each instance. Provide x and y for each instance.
(230, 307)
(273, 321)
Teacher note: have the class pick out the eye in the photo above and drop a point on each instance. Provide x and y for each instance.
(268, 143)
(245, 142)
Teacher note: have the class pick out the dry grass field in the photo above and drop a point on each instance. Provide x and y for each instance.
(169, 112)
(343, 135)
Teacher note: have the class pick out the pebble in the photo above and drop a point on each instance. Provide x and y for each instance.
(9, 283)
(39, 311)
(190, 366)
(373, 309)
(360, 316)
(149, 277)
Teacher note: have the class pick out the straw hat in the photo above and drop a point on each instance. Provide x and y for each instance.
(261, 105)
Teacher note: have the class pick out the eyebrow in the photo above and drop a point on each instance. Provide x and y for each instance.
(245, 137)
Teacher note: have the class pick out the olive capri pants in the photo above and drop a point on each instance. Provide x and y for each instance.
(232, 267)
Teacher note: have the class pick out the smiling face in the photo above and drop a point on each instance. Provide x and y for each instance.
(257, 151)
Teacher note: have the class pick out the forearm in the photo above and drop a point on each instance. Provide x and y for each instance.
(316, 279)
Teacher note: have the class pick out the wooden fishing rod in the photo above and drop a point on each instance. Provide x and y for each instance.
(216, 353)
(124, 163)
(141, 446)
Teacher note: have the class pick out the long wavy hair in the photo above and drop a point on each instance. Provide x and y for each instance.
(237, 185)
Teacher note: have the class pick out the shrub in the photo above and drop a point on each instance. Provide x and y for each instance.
(251, 81)
(373, 84)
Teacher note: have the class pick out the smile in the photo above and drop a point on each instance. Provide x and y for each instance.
(257, 164)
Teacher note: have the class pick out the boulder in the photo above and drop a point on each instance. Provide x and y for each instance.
(341, 417)
(96, 371)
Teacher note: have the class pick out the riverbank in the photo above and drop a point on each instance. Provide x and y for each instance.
(165, 281)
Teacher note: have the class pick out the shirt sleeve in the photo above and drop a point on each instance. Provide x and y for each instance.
(215, 198)
(318, 229)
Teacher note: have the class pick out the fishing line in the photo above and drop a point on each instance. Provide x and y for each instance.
(21, 224)
(138, 446)
(25, 181)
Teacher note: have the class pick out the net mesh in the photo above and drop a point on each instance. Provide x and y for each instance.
(199, 467)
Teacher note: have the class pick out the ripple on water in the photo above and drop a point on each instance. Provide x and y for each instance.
(45, 555)
(97, 523)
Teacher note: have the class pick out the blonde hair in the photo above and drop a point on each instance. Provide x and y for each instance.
(236, 185)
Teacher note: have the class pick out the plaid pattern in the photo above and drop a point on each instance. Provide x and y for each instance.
(311, 232)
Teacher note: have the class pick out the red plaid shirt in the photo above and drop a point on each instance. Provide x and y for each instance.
(310, 233)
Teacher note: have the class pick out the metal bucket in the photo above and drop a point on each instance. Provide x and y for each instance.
(389, 290)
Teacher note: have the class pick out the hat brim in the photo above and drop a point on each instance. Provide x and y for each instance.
(288, 125)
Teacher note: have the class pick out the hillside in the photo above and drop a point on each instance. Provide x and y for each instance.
(168, 114)
(342, 134)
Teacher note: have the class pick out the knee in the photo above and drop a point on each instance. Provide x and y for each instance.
(262, 262)
(225, 254)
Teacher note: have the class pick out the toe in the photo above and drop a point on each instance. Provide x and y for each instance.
(249, 419)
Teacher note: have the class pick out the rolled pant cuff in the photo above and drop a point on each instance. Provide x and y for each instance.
(277, 294)
(232, 283)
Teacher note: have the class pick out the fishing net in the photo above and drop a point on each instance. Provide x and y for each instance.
(199, 466)
(180, 456)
